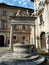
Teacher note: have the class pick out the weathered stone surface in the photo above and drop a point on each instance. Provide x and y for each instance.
(21, 56)
(22, 50)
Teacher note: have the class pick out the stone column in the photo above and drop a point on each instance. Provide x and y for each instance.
(11, 38)
(34, 36)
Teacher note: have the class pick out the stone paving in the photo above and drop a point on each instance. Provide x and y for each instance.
(7, 58)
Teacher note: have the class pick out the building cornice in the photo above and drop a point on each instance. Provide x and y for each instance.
(23, 18)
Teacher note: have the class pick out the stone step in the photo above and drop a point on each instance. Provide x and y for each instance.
(15, 62)
(4, 50)
(40, 60)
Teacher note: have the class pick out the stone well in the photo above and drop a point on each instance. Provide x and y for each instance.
(22, 55)
(22, 50)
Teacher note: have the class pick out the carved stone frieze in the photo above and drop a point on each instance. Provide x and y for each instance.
(23, 13)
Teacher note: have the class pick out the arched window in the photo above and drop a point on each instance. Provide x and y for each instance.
(14, 37)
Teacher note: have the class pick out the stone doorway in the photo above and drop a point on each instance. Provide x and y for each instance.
(1, 40)
(43, 40)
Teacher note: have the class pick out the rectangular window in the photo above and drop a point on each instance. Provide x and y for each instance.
(4, 13)
(3, 24)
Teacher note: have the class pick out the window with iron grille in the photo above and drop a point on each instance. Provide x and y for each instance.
(3, 24)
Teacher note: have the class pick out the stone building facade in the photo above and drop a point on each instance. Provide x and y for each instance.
(21, 32)
(42, 23)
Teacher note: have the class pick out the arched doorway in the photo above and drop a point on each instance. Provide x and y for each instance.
(43, 40)
(1, 40)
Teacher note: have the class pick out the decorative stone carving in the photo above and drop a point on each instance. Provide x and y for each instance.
(41, 3)
(46, 1)
(22, 13)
